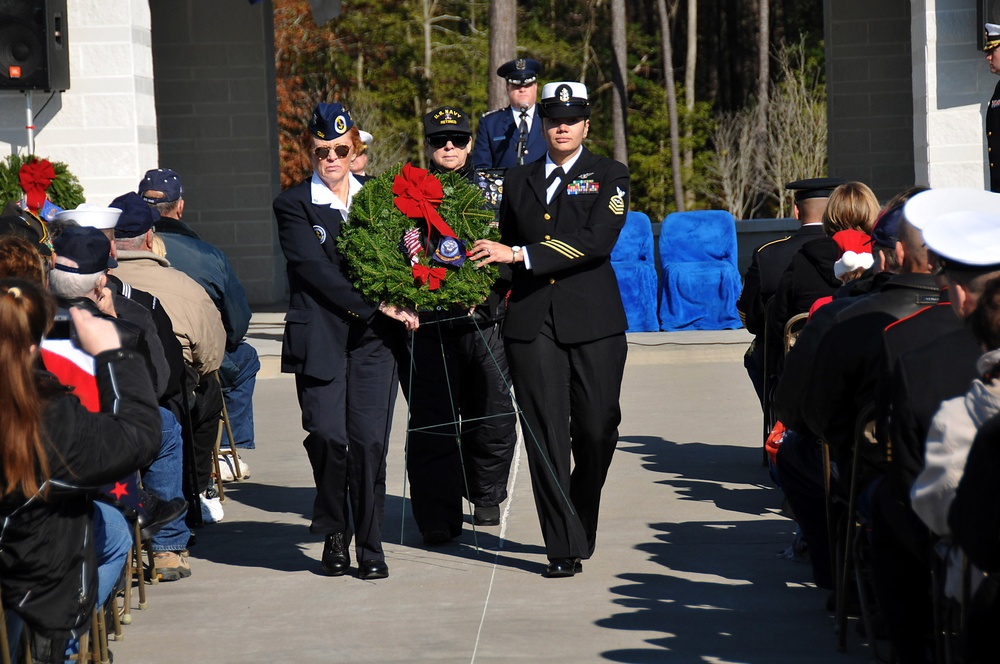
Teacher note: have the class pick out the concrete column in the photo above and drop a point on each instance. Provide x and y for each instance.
(951, 86)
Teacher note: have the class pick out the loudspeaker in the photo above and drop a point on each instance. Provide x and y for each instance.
(34, 45)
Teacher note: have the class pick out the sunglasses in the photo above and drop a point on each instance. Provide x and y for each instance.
(340, 150)
(438, 142)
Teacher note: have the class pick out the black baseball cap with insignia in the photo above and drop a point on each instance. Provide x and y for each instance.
(446, 120)
(522, 71)
(814, 187)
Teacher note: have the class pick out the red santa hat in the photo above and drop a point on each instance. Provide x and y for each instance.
(855, 251)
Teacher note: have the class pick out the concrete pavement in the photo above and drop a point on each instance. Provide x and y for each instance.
(686, 567)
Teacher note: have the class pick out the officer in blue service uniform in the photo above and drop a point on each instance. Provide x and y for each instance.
(340, 348)
(565, 326)
(993, 109)
(512, 135)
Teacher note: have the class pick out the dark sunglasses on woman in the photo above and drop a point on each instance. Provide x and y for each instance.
(340, 150)
(439, 141)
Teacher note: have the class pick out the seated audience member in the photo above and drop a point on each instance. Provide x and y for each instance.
(769, 262)
(973, 517)
(926, 357)
(82, 255)
(209, 266)
(196, 324)
(829, 376)
(810, 275)
(53, 451)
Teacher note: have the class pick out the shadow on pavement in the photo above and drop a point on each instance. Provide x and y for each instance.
(724, 595)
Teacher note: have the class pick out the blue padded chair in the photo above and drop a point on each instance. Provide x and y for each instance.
(632, 259)
(701, 280)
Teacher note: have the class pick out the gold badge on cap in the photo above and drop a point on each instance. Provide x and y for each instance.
(340, 124)
(520, 63)
(563, 93)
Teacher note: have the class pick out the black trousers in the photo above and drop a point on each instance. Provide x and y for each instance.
(348, 420)
(462, 422)
(200, 433)
(569, 400)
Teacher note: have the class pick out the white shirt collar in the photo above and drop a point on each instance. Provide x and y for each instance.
(551, 165)
(516, 112)
(322, 195)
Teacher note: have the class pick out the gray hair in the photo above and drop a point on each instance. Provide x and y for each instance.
(70, 285)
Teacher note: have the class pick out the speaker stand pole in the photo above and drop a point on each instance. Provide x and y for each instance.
(30, 126)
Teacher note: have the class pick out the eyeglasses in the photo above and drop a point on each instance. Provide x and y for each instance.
(340, 150)
(439, 141)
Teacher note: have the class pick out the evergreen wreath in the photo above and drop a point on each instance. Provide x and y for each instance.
(64, 190)
(371, 240)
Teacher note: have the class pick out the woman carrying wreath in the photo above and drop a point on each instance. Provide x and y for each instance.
(340, 348)
(564, 330)
(459, 372)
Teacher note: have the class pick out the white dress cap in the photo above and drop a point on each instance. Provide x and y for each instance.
(929, 205)
(968, 237)
(94, 216)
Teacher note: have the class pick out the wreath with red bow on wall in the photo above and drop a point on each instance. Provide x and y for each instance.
(406, 237)
(36, 181)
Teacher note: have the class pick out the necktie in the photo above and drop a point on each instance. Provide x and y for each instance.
(553, 182)
(522, 138)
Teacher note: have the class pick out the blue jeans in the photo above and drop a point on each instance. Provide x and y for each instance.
(165, 478)
(239, 376)
(112, 541)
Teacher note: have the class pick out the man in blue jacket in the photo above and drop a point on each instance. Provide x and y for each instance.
(208, 265)
(512, 135)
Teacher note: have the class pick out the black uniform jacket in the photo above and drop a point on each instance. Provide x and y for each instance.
(496, 140)
(569, 243)
(993, 138)
(48, 569)
(323, 303)
(768, 263)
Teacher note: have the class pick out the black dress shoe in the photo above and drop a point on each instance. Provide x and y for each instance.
(486, 516)
(154, 513)
(561, 567)
(336, 559)
(437, 536)
(372, 569)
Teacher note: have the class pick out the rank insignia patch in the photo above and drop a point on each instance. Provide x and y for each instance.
(617, 202)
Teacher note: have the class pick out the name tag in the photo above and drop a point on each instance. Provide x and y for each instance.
(582, 187)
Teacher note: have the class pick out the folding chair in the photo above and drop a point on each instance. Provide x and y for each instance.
(793, 328)
(218, 452)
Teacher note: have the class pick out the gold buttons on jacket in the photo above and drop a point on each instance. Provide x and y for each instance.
(548, 237)
(551, 281)
(547, 216)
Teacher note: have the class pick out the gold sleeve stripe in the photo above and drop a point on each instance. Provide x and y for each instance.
(743, 317)
(563, 248)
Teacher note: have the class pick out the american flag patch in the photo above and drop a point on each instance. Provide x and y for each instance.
(583, 187)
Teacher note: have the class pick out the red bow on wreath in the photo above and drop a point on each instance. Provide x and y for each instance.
(418, 193)
(433, 275)
(35, 177)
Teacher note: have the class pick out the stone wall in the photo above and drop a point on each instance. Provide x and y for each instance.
(213, 65)
(951, 85)
(869, 92)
